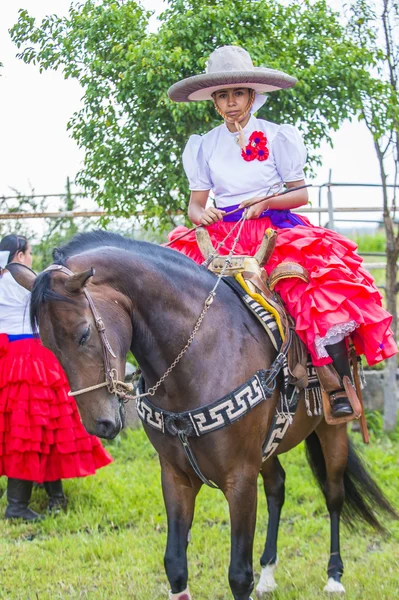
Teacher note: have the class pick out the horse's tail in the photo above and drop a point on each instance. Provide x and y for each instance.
(363, 497)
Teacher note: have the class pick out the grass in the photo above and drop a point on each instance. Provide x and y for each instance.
(110, 543)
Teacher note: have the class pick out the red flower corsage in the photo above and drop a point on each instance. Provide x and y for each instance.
(256, 148)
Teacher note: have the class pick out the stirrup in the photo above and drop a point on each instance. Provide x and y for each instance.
(354, 401)
(340, 405)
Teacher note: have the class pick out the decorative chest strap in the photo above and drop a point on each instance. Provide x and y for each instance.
(219, 414)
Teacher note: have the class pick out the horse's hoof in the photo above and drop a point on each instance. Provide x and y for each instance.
(267, 583)
(334, 587)
(262, 591)
(185, 595)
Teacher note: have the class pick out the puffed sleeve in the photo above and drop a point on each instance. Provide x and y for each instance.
(195, 165)
(289, 153)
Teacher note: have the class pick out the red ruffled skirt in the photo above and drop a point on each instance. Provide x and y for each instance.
(340, 296)
(41, 435)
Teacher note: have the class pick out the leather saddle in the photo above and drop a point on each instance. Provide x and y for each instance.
(258, 282)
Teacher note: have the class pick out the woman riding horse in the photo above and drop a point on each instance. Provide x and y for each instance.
(239, 161)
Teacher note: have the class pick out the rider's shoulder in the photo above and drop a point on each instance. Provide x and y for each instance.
(204, 141)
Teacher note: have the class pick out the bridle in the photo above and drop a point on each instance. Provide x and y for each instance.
(114, 385)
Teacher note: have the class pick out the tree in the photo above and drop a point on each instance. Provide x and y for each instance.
(133, 135)
(376, 27)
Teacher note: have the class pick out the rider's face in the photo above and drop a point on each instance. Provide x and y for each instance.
(232, 101)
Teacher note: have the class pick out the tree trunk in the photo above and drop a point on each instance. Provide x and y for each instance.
(392, 251)
(390, 387)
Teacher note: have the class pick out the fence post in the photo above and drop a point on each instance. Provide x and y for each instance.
(330, 204)
(69, 199)
(390, 398)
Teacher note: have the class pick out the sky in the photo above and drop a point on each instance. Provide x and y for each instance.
(37, 153)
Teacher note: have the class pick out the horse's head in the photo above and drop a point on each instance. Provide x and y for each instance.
(67, 324)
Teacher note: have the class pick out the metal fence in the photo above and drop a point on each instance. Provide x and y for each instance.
(325, 206)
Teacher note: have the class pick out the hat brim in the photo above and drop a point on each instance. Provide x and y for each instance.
(201, 87)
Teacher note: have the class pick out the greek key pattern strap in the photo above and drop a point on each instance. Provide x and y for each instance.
(221, 413)
(277, 431)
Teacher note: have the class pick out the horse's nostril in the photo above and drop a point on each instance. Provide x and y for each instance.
(106, 429)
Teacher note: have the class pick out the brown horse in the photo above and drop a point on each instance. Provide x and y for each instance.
(150, 297)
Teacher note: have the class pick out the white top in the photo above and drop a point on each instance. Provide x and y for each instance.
(214, 162)
(14, 307)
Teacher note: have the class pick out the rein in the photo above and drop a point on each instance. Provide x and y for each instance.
(275, 194)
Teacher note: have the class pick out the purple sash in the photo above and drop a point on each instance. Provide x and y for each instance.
(284, 219)
(20, 336)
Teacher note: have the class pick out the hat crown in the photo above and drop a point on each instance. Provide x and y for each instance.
(229, 58)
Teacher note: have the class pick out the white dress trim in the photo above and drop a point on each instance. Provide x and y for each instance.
(335, 334)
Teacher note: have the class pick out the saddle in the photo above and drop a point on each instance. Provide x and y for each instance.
(249, 272)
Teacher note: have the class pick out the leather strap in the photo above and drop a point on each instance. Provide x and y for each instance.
(191, 458)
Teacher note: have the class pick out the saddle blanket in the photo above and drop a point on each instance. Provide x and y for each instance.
(289, 395)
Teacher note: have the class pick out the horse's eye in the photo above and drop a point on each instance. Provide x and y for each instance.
(85, 337)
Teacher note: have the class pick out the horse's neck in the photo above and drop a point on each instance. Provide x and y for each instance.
(166, 300)
(167, 304)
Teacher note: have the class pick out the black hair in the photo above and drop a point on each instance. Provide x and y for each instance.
(13, 244)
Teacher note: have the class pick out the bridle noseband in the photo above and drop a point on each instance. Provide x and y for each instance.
(114, 385)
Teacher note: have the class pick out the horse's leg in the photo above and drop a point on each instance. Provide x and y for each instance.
(241, 494)
(179, 493)
(274, 484)
(334, 444)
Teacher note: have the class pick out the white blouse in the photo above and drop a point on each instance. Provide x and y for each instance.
(214, 162)
(14, 307)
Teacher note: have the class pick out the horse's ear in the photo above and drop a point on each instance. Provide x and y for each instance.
(75, 283)
(22, 275)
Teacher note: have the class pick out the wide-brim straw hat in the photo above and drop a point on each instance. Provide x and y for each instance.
(229, 67)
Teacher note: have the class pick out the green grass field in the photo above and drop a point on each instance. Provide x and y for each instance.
(110, 543)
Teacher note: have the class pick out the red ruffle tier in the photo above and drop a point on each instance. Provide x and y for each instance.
(340, 290)
(41, 435)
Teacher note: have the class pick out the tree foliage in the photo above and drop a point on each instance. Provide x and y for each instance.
(375, 26)
(133, 135)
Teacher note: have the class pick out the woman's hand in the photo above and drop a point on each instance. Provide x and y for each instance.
(255, 211)
(211, 215)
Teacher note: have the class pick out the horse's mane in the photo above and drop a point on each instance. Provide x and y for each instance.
(85, 242)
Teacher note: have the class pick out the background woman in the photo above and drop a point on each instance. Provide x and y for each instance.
(42, 438)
